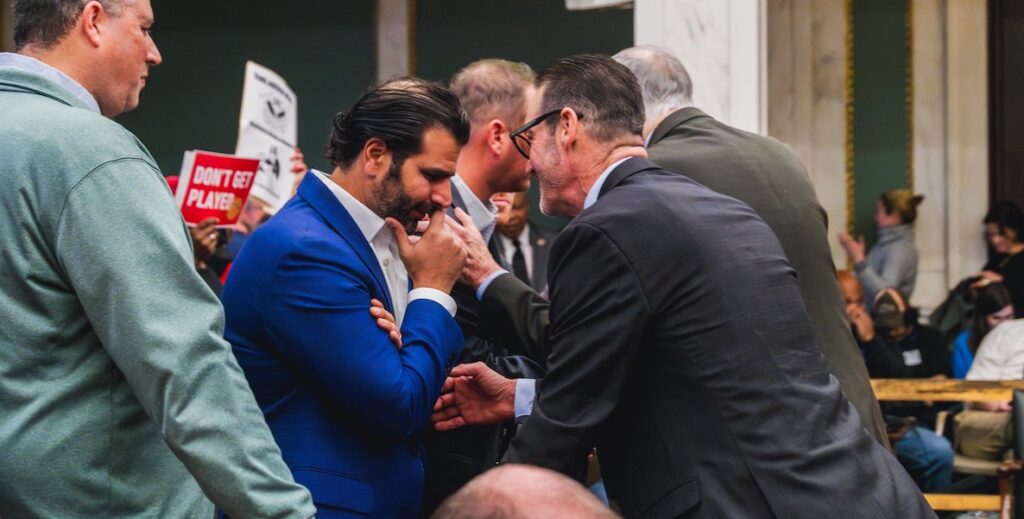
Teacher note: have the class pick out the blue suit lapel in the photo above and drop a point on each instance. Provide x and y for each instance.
(316, 194)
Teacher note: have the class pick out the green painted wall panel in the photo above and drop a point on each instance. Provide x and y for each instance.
(880, 118)
(324, 50)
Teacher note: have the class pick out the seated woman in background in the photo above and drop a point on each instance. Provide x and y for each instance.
(892, 262)
(983, 430)
(992, 308)
(1004, 230)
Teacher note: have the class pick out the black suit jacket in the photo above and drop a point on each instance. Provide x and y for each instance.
(767, 175)
(455, 457)
(679, 346)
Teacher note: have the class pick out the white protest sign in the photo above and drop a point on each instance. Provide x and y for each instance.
(268, 128)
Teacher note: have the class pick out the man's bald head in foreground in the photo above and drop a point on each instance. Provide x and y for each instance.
(522, 491)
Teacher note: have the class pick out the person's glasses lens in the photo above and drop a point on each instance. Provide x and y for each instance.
(522, 145)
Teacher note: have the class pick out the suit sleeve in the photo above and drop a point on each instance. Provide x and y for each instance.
(515, 316)
(599, 313)
(124, 249)
(317, 313)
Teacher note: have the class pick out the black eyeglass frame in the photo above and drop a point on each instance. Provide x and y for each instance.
(518, 134)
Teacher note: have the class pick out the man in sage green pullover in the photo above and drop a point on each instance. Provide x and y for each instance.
(118, 395)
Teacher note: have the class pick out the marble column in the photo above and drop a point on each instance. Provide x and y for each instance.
(723, 47)
(929, 148)
(807, 97)
(394, 39)
(966, 83)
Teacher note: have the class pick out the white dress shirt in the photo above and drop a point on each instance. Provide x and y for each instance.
(1001, 354)
(385, 248)
(480, 211)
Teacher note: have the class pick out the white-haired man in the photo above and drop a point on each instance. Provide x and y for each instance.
(769, 177)
(118, 395)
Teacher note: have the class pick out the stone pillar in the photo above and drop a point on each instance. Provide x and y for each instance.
(966, 84)
(807, 97)
(394, 38)
(722, 45)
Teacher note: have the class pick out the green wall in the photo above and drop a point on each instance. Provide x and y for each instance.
(453, 33)
(325, 51)
(880, 118)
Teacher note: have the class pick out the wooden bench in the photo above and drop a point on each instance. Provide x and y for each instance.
(922, 390)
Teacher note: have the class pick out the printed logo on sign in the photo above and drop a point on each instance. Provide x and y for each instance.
(270, 163)
(274, 113)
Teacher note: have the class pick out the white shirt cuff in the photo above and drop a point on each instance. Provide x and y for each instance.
(436, 296)
(487, 282)
(526, 390)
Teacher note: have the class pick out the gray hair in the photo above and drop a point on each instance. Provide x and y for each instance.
(493, 88)
(663, 79)
(604, 91)
(45, 22)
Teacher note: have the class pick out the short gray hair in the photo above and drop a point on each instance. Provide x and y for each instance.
(45, 22)
(663, 79)
(493, 88)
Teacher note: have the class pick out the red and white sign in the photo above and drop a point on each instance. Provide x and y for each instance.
(214, 185)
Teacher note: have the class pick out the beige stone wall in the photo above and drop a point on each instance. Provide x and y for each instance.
(807, 109)
(807, 96)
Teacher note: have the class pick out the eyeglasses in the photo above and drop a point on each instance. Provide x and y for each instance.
(522, 142)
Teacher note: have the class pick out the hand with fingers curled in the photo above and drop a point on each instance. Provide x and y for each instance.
(474, 394)
(479, 262)
(385, 321)
(434, 260)
(204, 239)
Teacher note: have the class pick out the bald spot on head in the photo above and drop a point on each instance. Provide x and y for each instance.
(520, 492)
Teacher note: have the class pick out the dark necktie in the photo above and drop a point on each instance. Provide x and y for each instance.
(519, 263)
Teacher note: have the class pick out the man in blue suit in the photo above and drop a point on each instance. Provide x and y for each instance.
(345, 406)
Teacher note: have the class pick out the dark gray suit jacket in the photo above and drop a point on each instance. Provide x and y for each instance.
(541, 239)
(767, 175)
(680, 347)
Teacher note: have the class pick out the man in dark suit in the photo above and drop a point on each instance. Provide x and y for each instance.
(678, 343)
(346, 407)
(766, 175)
(525, 244)
(493, 94)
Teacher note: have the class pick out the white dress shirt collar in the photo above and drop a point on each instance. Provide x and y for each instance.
(385, 248)
(34, 66)
(480, 211)
(595, 190)
(368, 222)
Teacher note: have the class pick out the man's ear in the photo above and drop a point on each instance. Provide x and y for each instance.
(91, 23)
(376, 157)
(495, 128)
(568, 128)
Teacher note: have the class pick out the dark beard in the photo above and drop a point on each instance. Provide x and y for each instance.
(393, 201)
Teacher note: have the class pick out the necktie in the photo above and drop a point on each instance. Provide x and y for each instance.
(519, 263)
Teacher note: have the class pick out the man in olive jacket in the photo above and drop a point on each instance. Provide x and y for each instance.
(118, 395)
(768, 176)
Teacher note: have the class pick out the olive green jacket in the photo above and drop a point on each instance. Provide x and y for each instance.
(118, 395)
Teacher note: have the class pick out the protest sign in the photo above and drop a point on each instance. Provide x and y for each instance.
(268, 129)
(214, 185)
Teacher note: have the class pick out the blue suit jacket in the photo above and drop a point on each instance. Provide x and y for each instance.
(344, 405)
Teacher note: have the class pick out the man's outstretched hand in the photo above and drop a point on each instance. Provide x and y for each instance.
(474, 394)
